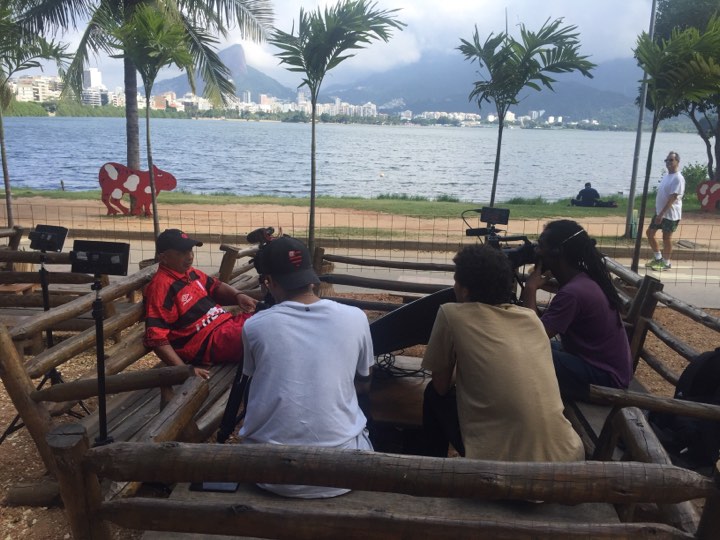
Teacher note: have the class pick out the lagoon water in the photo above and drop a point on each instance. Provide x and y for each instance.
(246, 158)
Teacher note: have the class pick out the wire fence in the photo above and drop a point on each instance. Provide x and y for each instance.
(696, 256)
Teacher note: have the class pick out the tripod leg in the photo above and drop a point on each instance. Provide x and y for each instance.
(235, 399)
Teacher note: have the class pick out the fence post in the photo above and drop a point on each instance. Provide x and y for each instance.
(642, 309)
(80, 491)
(710, 520)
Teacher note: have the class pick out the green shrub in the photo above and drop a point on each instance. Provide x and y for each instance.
(694, 174)
(534, 201)
(447, 198)
(401, 197)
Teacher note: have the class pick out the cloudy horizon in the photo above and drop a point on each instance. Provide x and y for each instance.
(607, 30)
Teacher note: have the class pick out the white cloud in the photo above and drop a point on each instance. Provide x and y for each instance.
(608, 30)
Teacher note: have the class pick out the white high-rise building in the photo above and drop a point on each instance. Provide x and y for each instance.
(92, 78)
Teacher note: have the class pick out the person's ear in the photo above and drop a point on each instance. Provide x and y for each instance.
(462, 293)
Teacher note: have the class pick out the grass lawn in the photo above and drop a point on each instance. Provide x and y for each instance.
(536, 208)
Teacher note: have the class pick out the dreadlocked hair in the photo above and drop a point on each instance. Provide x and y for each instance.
(578, 250)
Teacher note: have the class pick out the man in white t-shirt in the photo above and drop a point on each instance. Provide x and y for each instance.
(668, 212)
(309, 358)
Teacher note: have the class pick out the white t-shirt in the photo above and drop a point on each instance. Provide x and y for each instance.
(303, 360)
(670, 184)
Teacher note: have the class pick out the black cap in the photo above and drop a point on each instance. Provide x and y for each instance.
(175, 239)
(288, 261)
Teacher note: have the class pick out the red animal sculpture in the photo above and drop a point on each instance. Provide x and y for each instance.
(708, 194)
(116, 180)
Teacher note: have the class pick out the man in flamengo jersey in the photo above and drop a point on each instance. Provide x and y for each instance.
(185, 322)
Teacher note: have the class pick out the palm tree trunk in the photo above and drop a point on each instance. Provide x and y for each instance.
(641, 218)
(496, 171)
(132, 122)
(153, 193)
(6, 174)
(313, 168)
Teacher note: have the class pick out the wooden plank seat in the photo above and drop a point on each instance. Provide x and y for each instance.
(399, 506)
(17, 288)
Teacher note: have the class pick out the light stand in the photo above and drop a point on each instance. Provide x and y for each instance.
(45, 238)
(98, 313)
(100, 258)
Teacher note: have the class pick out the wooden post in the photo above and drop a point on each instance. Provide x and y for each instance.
(80, 491)
(644, 446)
(19, 387)
(641, 310)
(709, 528)
(319, 265)
(227, 263)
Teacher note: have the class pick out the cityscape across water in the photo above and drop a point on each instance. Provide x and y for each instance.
(251, 158)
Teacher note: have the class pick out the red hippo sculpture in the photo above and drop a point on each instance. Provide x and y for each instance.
(708, 194)
(116, 180)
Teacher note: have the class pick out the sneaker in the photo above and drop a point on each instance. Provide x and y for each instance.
(651, 263)
(667, 266)
(659, 265)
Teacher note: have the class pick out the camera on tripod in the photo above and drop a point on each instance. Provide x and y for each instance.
(48, 238)
(90, 257)
(518, 255)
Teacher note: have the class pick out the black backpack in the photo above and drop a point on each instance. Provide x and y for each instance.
(692, 442)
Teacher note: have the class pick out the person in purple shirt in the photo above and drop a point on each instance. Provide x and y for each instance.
(585, 311)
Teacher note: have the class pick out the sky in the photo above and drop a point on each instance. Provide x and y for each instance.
(608, 29)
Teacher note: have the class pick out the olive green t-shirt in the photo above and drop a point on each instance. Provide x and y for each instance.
(508, 398)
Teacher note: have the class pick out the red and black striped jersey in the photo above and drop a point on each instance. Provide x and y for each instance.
(181, 312)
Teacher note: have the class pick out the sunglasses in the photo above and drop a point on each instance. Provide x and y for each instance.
(669, 160)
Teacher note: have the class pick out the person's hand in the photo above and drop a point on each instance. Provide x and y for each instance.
(658, 219)
(201, 372)
(246, 303)
(540, 280)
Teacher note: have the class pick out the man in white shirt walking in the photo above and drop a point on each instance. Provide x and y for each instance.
(668, 212)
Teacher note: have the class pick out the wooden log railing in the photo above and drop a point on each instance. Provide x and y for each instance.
(43, 321)
(564, 483)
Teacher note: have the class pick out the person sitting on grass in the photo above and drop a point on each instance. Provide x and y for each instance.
(493, 392)
(587, 197)
(185, 322)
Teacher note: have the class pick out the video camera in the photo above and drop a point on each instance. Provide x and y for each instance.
(518, 255)
(262, 237)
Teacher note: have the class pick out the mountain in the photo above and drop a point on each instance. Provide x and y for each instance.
(443, 81)
(246, 78)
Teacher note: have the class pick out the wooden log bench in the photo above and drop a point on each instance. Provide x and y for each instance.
(13, 236)
(145, 402)
(394, 496)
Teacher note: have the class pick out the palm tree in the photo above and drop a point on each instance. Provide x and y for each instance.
(677, 70)
(324, 40)
(152, 39)
(703, 114)
(513, 65)
(19, 50)
(254, 18)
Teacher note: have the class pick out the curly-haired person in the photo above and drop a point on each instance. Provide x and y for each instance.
(493, 393)
(585, 312)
